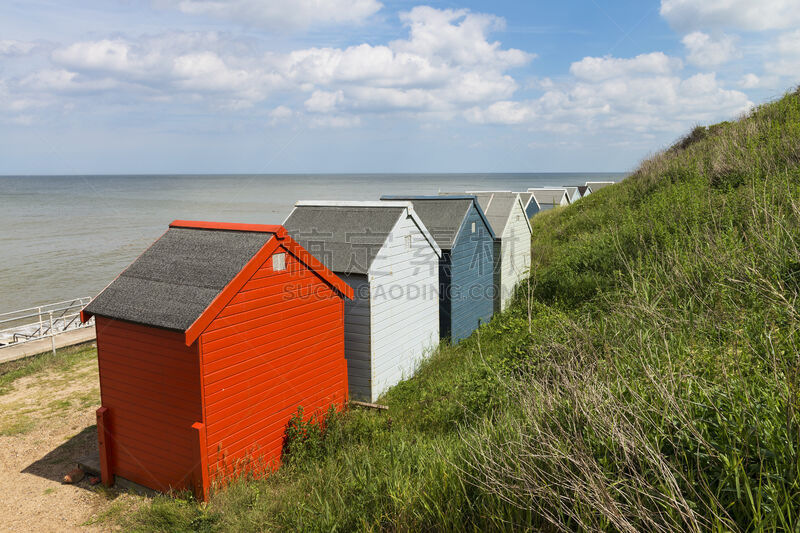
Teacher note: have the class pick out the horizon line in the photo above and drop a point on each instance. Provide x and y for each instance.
(212, 174)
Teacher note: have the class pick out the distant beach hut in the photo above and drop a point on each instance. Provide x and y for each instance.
(207, 344)
(549, 197)
(512, 230)
(385, 252)
(463, 233)
(530, 203)
(597, 185)
(584, 190)
(572, 193)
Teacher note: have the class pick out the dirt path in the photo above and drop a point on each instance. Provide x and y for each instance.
(46, 424)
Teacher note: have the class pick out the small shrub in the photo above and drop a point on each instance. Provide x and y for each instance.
(305, 437)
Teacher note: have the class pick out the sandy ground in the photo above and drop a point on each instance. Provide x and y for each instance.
(46, 425)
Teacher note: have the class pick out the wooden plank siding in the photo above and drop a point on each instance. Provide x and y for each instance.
(277, 345)
(404, 305)
(357, 337)
(470, 277)
(532, 208)
(515, 251)
(150, 384)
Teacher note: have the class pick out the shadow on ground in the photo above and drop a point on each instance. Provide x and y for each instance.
(57, 462)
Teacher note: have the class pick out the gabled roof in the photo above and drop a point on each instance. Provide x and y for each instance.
(584, 190)
(498, 206)
(549, 195)
(526, 198)
(571, 192)
(347, 236)
(191, 269)
(597, 185)
(444, 215)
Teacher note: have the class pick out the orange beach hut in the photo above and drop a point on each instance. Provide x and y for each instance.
(207, 344)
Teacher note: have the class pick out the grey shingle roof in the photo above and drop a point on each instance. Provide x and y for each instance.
(497, 206)
(551, 196)
(345, 238)
(525, 198)
(442, 216)
(175, 280)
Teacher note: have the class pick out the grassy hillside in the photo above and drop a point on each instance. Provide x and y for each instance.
(646, 377)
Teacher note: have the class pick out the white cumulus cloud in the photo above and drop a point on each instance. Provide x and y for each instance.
(608, 67)
(280, 114)
(175, 62)
(785, 57)
(12, 48)
(504, 112)
(749, 81)
(113, 56)
(643, 94)
(447, 63)
(457, 37)
(323, 101)
(448, 66)
(705, 51)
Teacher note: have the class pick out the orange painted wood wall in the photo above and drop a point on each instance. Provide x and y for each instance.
(278, 344)
(150, 385)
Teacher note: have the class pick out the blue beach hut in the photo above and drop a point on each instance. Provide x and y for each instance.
(512, 251)
(529, 203)
(572, 193)
(460, 228)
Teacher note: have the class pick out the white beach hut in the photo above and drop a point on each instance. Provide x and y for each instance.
(383, 251)
(512, 229)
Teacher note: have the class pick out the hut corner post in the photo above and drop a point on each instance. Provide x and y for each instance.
(200, 475)
(103, 445)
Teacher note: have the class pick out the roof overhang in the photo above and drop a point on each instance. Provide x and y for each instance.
(277, 229)
(524, 214)
(428, 237)
(280, 238)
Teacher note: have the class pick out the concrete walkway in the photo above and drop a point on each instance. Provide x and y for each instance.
(26, 349)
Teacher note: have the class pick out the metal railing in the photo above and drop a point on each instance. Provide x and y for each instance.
(42, 322)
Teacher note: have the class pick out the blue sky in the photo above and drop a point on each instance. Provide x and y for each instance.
(184, 86)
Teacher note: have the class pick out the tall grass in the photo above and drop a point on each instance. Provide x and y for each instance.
(670, 401)
(645, 379)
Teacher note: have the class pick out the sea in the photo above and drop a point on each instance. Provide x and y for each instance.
(64, 237)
